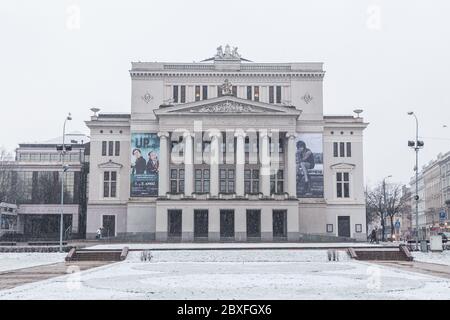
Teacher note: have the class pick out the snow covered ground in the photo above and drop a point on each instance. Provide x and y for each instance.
(12, 261)
(433, 257)
(213, 245)
(237, 274)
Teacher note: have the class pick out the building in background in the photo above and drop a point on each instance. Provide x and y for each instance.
(226, 149)
(434, 193)
(34, 185)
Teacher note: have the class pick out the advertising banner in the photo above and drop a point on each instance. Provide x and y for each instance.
(309, 163)
(144, 165)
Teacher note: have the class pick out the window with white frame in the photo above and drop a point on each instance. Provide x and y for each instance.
(202, 179)
(109, 184)
(251, 180)
(176, 180)
(342, 185)
(226, 183)
(276, 182)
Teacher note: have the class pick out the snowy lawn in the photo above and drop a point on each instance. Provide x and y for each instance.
(237, 274)
(433, 257)
(12, 261)
(143, 246)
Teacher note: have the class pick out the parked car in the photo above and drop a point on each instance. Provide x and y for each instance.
(445, 236)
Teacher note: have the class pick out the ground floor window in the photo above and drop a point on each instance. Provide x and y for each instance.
(226, 223)
(174, 220)
(200, 223)
(253, 223)
(279, 221)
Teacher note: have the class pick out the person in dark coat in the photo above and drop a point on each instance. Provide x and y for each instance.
(140, 164)
(373, 236)
(152, 163)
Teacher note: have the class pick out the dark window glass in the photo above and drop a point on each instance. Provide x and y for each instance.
(249, 93)
(181, 186)
(256, 93)
(113, 189)
(278, 94)
(206, 173)
(346, 177)
(206, 185)
(181, 173)
(205, 92)
(335, 149)
(198, 185)
(197, 93)
(105, 189)
(223, 186)
(219, 91)
(198, 173)
(349, 149)
(117, 148)
(183, 94)
(339, 190)
(104, 148)
(280, 186)
(173, 173)
(247, 186)
(110, 148)
(231, 186)
(106, 176)
(342, 149)
(113, 176)
(346, 190)
(255, 186)
(271, 95)
(175, 94)
(173, 186)
(247, 174)
(230, 174)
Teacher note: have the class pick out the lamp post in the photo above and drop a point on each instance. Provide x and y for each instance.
(416, 145)
(63, 148)
(384, 197)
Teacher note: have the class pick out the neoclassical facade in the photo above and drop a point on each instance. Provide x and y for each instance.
(226, 150)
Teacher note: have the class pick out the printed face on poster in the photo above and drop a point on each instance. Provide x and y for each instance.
(309, 165)
(144, 164)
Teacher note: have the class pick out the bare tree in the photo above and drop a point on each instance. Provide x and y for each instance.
(7, 181)
(384, 201)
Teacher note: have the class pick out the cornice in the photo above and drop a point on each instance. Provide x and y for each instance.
(319, 75)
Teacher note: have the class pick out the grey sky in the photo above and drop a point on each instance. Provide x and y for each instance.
(386, 64)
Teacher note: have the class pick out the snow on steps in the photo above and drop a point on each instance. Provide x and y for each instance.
(97, 255)
(385, 254)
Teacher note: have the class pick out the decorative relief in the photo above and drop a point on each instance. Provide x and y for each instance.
(307, 98)
(147, 97)
(227, 106)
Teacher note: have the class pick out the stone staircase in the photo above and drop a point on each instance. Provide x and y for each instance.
(97, 255)
(382, 254)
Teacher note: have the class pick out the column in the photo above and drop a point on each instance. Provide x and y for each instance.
(188, 164)
(187, 225)
(214, 164)
(266, 224)
(291, 165)
(264, 159)
(213, 224)
(240, 224)
(163, 183)
(240, 163)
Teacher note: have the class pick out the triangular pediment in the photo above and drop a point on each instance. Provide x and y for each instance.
(227, 105)
(343, 166)
(110, 165)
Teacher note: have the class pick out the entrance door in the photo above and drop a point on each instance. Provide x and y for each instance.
(253, 223)
(227, 223)
(344, 226)
(174, 223)
(200, 223)
(279, 224)
(109, 226)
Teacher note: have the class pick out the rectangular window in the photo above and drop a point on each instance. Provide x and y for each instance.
(201, 180)
(205, 92)
(117, 148)
(256, 93)
(329, 228)
(219, 91)
(278, 94)
(226, 184)
(271, 95)
(276, 182)
(175, 94)
(335, 149)
(183, 94)
(249, 93)
(197, 93)
(176, 180)
(110, 148)
(349, 149)
(342, 149)
(109, 184)
(251, 180)
(104, 144)
(343, 185)
(358, 228)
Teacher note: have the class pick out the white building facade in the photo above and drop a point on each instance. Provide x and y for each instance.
(226, 150)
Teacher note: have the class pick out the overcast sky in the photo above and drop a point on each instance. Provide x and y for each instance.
(385, 57)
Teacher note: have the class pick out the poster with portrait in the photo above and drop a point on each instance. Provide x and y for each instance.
(309, 165)
(144, 165)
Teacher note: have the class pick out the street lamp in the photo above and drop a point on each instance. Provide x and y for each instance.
(416, 145)
(63, 148)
